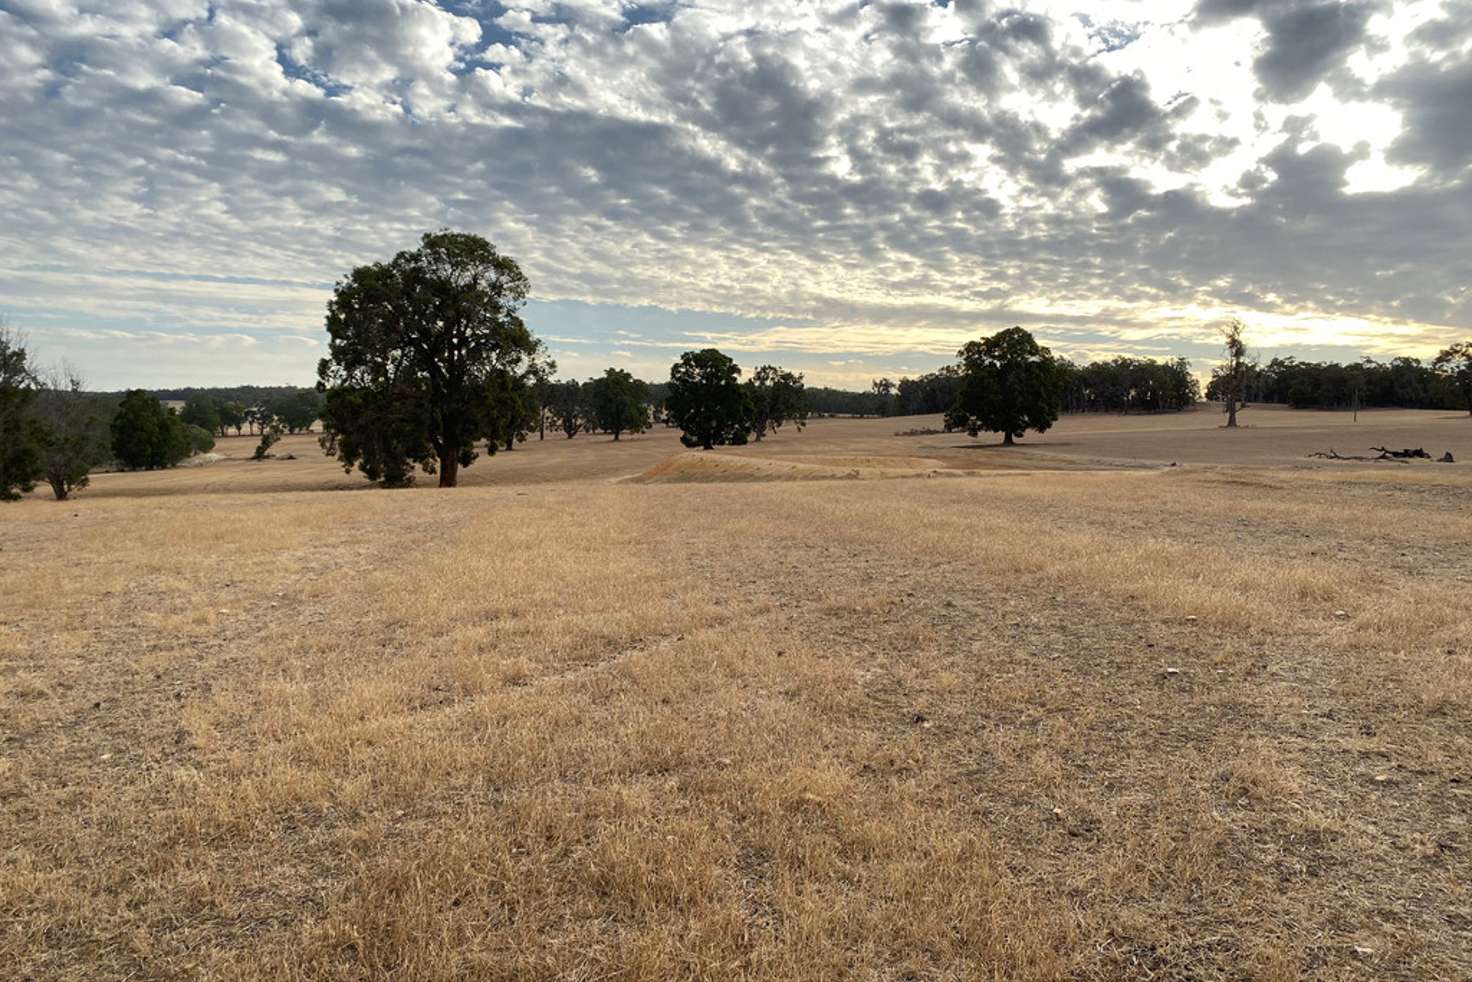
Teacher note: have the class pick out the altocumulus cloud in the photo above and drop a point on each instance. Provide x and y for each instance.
(849, 187)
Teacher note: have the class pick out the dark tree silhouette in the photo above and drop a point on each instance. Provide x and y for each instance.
(567, 407)
(777, 397)
(706, 400)
(1233, 372)
(1455, 364)
(1010, 384)
(618, 403)
(20, 436)
(73, 437)
(145, 435)
(420, 348)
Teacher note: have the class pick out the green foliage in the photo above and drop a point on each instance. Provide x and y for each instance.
(271, 434)
(73, 437)
(707, 401)
(932, 393)
(1454, 364)
(1010, 385)
(777, 397)
(145, 435)
(1124, 385)
(232, 417)
(421, 349)
(20, 433)
(201, 440)
(618, 403)
(543, 393)
(382, 428)
(516, 399)
(1405, 383)
(567, 407)
(826, 401)
(200, 410)
(297, 412)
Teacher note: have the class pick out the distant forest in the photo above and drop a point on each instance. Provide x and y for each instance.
(1401, 383)
(1118, 385)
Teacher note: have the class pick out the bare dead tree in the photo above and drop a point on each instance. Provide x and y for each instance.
(1234, 372)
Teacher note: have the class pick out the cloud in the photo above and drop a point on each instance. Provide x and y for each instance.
(1305, 42)
(879, 180)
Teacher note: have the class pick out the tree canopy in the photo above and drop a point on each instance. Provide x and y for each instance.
(20, 437)
(706, 400)
(1010, 384)
(567, 406)
(618, 403)
(73, 436)
(777, 397)
(202, 411)
(297, 411)
(146, 436)
(422, 348)
(1455, 364)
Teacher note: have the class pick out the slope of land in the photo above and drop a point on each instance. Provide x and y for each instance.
(1068, 712)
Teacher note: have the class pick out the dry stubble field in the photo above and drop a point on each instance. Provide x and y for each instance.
(843, 705)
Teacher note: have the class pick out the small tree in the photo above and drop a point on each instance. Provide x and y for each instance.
(567, 407)
(20, 433)
(270, 435)
(777, 397)
(73, 440)
(1455, 365)
(706, 400)
(201, 440)
(1233, 373)
(145, 435)
(1010, 384)
(618, 403)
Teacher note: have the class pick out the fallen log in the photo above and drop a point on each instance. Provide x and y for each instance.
(1335, 455)
(1386, 452)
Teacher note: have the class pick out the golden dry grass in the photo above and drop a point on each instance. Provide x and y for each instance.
(1048, 717)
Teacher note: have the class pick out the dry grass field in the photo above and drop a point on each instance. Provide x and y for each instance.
(843, 704)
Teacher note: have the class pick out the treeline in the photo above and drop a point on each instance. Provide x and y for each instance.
(1401, 383)
(1119, 385)
(52, 430)
(248, 408)
(1128, 385)
(430, 365)
(616, 403)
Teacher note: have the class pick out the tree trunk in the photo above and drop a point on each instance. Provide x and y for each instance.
(449, 469)
(1007, 440)
(615, 436)
(1232, 412)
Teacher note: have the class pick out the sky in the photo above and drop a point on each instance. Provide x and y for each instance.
(851, 190)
